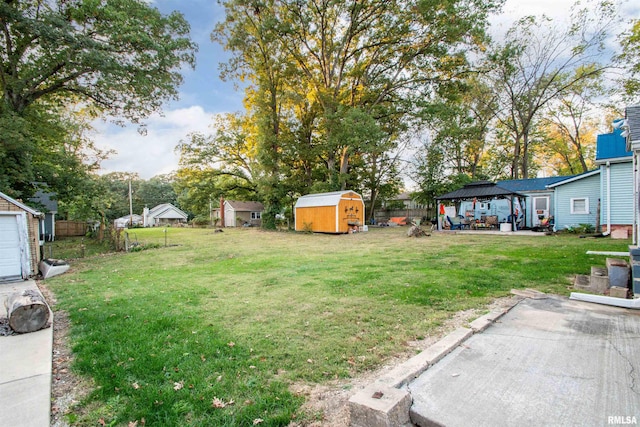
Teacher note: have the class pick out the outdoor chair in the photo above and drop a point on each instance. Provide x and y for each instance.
(455, 223)
(492, 221)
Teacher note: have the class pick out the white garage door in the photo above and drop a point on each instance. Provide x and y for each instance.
(9, 247)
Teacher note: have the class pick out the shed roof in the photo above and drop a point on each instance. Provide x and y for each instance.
(20, 205)
(325, 199)
(531, 184)
(164, 208)
(480, 190)
(245, 206)
(612, 146)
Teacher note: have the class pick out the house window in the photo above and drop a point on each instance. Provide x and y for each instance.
(580, 205)
(255, 215)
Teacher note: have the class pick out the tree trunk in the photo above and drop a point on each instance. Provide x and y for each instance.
(27, 312)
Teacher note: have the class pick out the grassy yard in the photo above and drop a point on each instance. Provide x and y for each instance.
(211, 329)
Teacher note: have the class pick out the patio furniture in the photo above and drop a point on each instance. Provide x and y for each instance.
(455, 223)
(492, 221)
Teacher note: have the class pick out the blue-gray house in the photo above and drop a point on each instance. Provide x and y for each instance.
(539, 203)
(603, 196)
(577, 200)
(616, 181)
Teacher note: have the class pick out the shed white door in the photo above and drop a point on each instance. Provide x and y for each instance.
(10, 263)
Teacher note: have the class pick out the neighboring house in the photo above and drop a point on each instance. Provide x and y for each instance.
(616, 182)
(128, 221)
(162, 215)
(576, 200)
(335, 212)
(238, 214)
(50, 209)
(19, 239)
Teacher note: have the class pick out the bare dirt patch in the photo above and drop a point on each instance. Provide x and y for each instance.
(66, 387)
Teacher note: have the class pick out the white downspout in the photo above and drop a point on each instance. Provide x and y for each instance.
(608, 199)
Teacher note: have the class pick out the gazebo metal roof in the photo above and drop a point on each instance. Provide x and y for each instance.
(479, 190)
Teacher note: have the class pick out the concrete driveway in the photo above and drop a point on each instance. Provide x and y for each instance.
(546, 362)
(25, 369)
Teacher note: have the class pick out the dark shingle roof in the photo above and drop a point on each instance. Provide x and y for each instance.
(479, 190)
(246, 206)
(531, 184)
(633, 120)
(45, 199)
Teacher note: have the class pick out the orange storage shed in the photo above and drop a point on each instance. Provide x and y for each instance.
(336, 212)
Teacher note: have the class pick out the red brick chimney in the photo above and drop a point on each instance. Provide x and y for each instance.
(221, 211)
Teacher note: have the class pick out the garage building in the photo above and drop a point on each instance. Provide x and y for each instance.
(19, 239)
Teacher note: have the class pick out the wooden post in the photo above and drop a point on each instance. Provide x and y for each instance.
(27, 311)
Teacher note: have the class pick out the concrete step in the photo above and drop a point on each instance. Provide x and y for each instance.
(618, 272)
(599, 280)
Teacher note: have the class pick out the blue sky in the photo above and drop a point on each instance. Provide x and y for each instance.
(203, 94)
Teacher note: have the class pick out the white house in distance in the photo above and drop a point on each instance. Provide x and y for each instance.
(128, 220)
(162, 215)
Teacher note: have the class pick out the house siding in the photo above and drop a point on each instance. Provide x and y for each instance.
(586, 187)
(621, 193)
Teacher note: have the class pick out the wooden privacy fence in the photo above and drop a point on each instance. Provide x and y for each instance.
(70, 228)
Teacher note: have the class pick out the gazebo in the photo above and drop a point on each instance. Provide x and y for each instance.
(481, 190)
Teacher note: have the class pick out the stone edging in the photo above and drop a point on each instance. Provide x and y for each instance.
(386, 402)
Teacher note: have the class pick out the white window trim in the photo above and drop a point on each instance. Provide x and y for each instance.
(256, 215)
(586, 205)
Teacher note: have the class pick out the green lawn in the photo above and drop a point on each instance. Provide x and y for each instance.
(210, 329)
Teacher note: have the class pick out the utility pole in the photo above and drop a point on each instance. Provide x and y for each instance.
(130, 206)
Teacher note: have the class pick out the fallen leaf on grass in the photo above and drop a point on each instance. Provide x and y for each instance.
(133, 423)
(178, 386)
(135, 386)
(257, 421)
(219, 403)
(231, 344)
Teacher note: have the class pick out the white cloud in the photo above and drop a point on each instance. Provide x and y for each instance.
(153, 153)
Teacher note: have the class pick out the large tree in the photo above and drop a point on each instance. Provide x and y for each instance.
(314, 65)
(570, 125)
(537, 63)
(221, 164)
(629, 59)
(115, 57)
